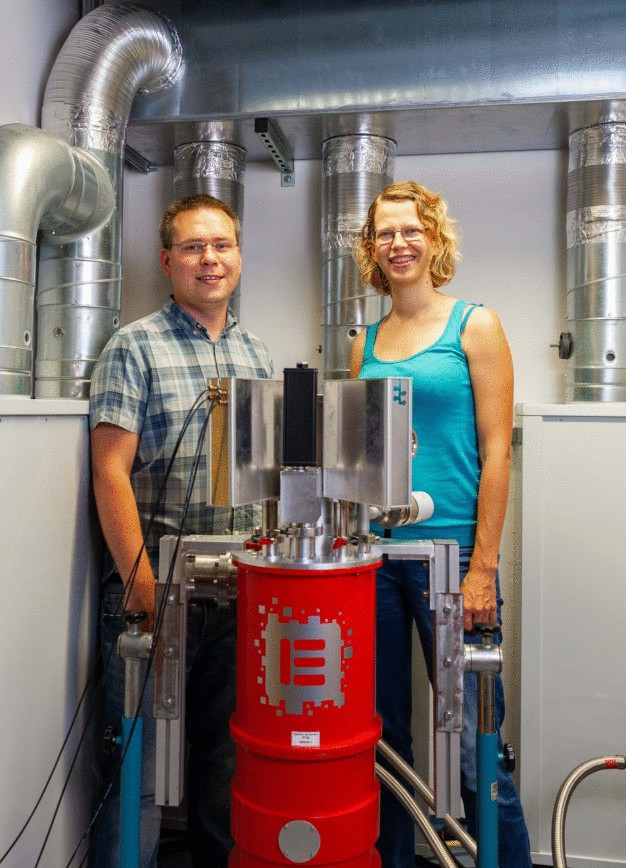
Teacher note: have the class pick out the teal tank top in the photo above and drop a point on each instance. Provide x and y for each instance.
(446, 465)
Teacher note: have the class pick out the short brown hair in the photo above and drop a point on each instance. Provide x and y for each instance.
(433, 212)
(193, 203)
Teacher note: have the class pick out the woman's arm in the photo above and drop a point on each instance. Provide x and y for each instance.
(356, 356)
(491, 373)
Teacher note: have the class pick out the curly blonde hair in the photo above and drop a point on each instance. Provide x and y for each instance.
(433, 212)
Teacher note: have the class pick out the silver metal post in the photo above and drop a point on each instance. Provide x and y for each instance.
(134, 648)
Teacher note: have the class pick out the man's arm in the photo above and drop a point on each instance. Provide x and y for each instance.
(113, 451)
(491, 372)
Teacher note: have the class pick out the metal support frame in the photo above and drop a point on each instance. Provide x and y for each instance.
(280, 151)
(185, 572)
(486, 662)
(134, 648)
(138, 161)
(446, 602)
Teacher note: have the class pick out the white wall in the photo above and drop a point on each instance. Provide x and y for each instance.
(511, 212)
(33, 33)
(46, 548)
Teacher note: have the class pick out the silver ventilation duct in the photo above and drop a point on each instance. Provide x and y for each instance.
(355, 169)
(109, 56)
(596, 263)
(44, 184)
(204, 164)
(436, 76)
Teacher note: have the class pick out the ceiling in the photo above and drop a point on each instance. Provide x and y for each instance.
(442, 76)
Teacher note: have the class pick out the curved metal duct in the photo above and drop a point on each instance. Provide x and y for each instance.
(44, 184)
(110, 55)
(596, 263)
(355, 169)
(203, 164)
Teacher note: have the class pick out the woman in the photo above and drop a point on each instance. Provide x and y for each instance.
(460, 363)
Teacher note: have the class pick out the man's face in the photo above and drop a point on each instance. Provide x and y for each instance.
(203, 279)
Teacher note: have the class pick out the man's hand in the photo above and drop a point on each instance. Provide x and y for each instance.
(142, 598)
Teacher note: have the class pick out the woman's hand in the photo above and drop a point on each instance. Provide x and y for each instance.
(479, 597)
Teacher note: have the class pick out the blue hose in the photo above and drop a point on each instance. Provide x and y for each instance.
(487, 799)
(130, 793)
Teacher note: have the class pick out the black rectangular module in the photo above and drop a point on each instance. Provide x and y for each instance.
(299, 417)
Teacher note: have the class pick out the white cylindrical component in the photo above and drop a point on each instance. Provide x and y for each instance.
(424, 504)
(419, 509)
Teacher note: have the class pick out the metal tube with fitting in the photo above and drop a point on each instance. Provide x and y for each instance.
(211, 577)
(486, 661)
(269, 518)
(134, 648)
(363, 528)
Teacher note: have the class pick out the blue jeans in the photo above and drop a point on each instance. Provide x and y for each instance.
(402, 596)
(210, 701)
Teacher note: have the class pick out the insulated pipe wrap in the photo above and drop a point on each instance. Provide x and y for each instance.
(217, 168)
(45, 184)
(596, 263)
(112, 53)
(355, 169)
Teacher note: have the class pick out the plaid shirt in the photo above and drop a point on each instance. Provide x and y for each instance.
(146, 381)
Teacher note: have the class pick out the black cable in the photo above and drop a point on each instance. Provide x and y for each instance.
(158, 624)
(91, 674)
(116, 771)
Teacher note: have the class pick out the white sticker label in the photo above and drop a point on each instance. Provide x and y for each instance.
(305, 739)
(494, 791)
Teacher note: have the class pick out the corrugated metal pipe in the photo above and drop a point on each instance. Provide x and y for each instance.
(564, 796)
(206, 163)
(596, 263)
(112, 53)
(47, 185)
(355, 169)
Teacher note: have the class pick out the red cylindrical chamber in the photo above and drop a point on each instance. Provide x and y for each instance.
(305, 791)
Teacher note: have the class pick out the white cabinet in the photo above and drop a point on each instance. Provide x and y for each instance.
(49, 561)
(573, 639)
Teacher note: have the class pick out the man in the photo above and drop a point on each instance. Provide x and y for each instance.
(144, 385)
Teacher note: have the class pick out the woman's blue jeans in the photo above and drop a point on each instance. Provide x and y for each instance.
(210, 701)
(402, 597)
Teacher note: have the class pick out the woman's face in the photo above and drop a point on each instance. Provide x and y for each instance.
(403, 249)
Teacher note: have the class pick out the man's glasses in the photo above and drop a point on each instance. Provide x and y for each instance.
(385, 237)
(195, 249)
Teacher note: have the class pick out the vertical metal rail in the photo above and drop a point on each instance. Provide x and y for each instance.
(487, 755)
(134, 647)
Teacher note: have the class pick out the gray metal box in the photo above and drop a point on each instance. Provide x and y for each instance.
(243, 442)
(367, 441)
